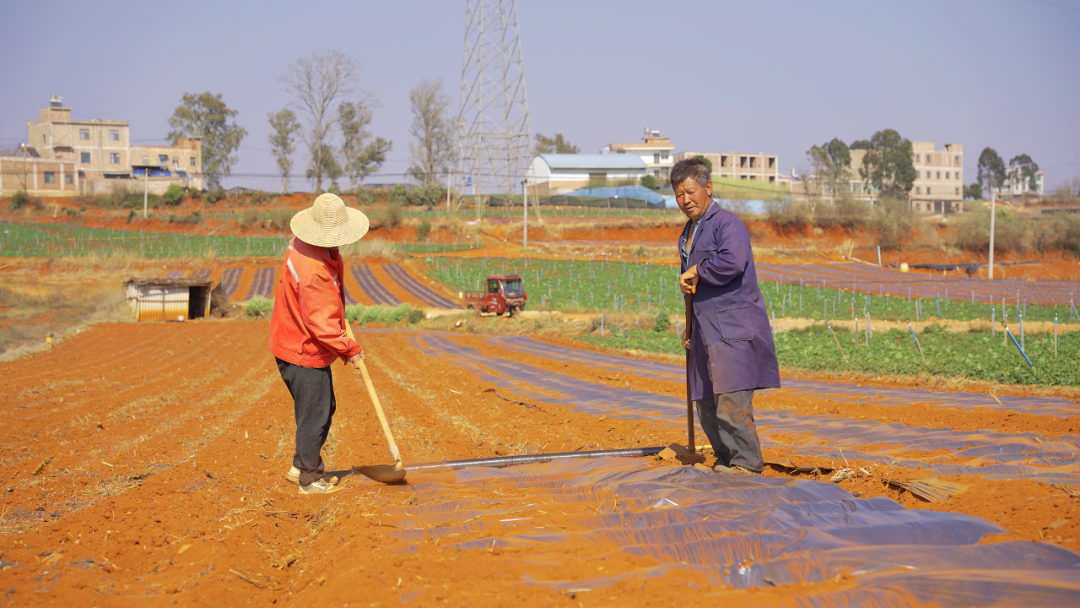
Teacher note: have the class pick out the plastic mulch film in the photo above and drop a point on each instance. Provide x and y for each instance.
(1000, 455)
(740, 532)
(1045, 406)
(882, 280)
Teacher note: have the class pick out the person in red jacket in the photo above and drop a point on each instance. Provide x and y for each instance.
(307, 329)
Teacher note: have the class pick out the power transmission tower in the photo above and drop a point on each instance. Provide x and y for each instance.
(493, 123)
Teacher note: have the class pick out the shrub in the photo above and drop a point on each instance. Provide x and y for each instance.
(173, 195)
(786, 214)
(423, 230)
(258, 307)
(648, 181)
(893, 219)
(259, 197)
(71, 212)
(215, 195)
(399, 194)
(364, 196)
(277, 218)
(248, 218)
(131, 215)
(425, 196)
(972, 232)
(662, 322)
(334, 189)
(20, 200)
(851, 212)
(193, 218)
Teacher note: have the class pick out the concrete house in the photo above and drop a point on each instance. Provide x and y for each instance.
(561, 173)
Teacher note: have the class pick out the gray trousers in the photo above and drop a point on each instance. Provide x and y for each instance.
(314, 405)
(728, 421)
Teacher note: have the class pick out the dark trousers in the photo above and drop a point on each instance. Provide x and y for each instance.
(728, 421)
(314, 405)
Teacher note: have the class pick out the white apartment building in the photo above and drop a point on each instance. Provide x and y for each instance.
(656, 152)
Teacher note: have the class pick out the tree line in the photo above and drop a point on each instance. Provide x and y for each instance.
(329, 116)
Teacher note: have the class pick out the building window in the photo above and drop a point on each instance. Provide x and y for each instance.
(957, 163)
(772, 162)
(918, 190)
(939, 174)
(84, 158)
(723, 161)
(84, 134)
(163, 159)
(917, 158)
(928, 190)
(772, 179)
(114, 158)
(656, 158)
(192, 163)
(664, 155)
(656, 173)
(947, 175)
(957, 191)
(50, 177)
(146, 160)
(69, 179)
(176, 162)
(114, 135)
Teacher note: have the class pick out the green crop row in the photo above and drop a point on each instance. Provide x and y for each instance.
(60, 240)
(585, 285)
(978, 356)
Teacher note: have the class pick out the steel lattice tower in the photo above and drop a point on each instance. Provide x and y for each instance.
(493, 122)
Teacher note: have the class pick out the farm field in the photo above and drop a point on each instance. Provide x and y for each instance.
(147, 463)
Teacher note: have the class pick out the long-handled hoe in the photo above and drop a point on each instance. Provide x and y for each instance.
(383, 473)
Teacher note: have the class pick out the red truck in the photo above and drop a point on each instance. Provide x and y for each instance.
(504, 294)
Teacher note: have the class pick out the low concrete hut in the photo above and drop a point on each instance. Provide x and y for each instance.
(153, 299)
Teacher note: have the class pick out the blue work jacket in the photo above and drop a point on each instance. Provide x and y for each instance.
(731, 348)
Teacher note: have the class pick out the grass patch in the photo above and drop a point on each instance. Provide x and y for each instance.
(258, 307)
(382, 314)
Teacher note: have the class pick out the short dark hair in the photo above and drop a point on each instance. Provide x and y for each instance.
(691, 167)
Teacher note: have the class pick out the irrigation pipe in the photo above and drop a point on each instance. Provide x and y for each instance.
(499, 462)
(916, 338)
(1018, 347)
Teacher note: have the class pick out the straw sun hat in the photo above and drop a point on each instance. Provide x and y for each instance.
(329, 223)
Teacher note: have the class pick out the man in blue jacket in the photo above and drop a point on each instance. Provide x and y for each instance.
(731, 351)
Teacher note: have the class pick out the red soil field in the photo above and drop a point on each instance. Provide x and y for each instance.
(144, 465)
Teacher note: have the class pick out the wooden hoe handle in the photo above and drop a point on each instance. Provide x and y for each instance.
(375, 401)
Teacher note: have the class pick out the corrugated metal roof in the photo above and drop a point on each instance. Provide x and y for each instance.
(604, 162)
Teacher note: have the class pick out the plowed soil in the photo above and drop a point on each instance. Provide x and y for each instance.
(144, 464)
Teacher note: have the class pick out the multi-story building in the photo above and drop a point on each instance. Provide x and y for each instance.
(1017, 185)
(938, 185)
(656, 152)
(102, 150)
(735, 165)
(38, 176)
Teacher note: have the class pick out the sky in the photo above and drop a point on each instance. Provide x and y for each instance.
(768, 76)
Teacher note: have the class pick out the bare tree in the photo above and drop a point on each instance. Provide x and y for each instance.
(316, 81)
(433, 151)
(361, 157)
(22, 170)
(282, 144)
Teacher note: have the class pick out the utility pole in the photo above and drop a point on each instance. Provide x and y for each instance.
(993, 214)
(525, 212)
(493, 123)
(145, 190)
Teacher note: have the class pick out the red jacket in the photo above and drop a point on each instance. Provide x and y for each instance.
(308, 324)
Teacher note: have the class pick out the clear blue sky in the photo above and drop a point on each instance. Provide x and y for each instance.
(772, 76)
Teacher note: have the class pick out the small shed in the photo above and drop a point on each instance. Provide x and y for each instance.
(153, 299)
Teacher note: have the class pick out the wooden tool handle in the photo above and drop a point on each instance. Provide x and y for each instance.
(379, 411)
(375, 401)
